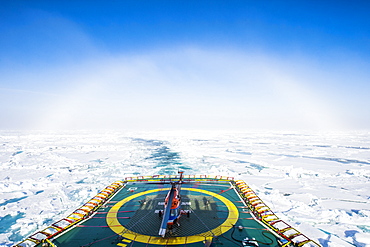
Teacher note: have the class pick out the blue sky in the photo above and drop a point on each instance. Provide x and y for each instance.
(245, 65)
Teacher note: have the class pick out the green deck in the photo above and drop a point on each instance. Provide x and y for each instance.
(138, 224)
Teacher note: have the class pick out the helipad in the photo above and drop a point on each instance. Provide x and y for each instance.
(222, 212)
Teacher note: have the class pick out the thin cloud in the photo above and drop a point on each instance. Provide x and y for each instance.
(202, 89)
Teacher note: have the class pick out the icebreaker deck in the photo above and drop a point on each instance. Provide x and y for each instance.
(216, 211)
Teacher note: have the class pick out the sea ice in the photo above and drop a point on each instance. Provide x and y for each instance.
(318, 183)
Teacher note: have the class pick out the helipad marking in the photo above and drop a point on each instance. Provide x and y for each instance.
(116, 226)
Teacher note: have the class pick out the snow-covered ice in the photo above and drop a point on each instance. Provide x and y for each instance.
(318, 183)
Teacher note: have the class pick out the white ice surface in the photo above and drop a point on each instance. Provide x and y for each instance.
(318, 183)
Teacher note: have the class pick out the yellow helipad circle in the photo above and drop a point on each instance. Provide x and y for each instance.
(116, 226)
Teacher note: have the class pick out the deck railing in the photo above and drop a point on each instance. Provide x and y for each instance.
(264, 214)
